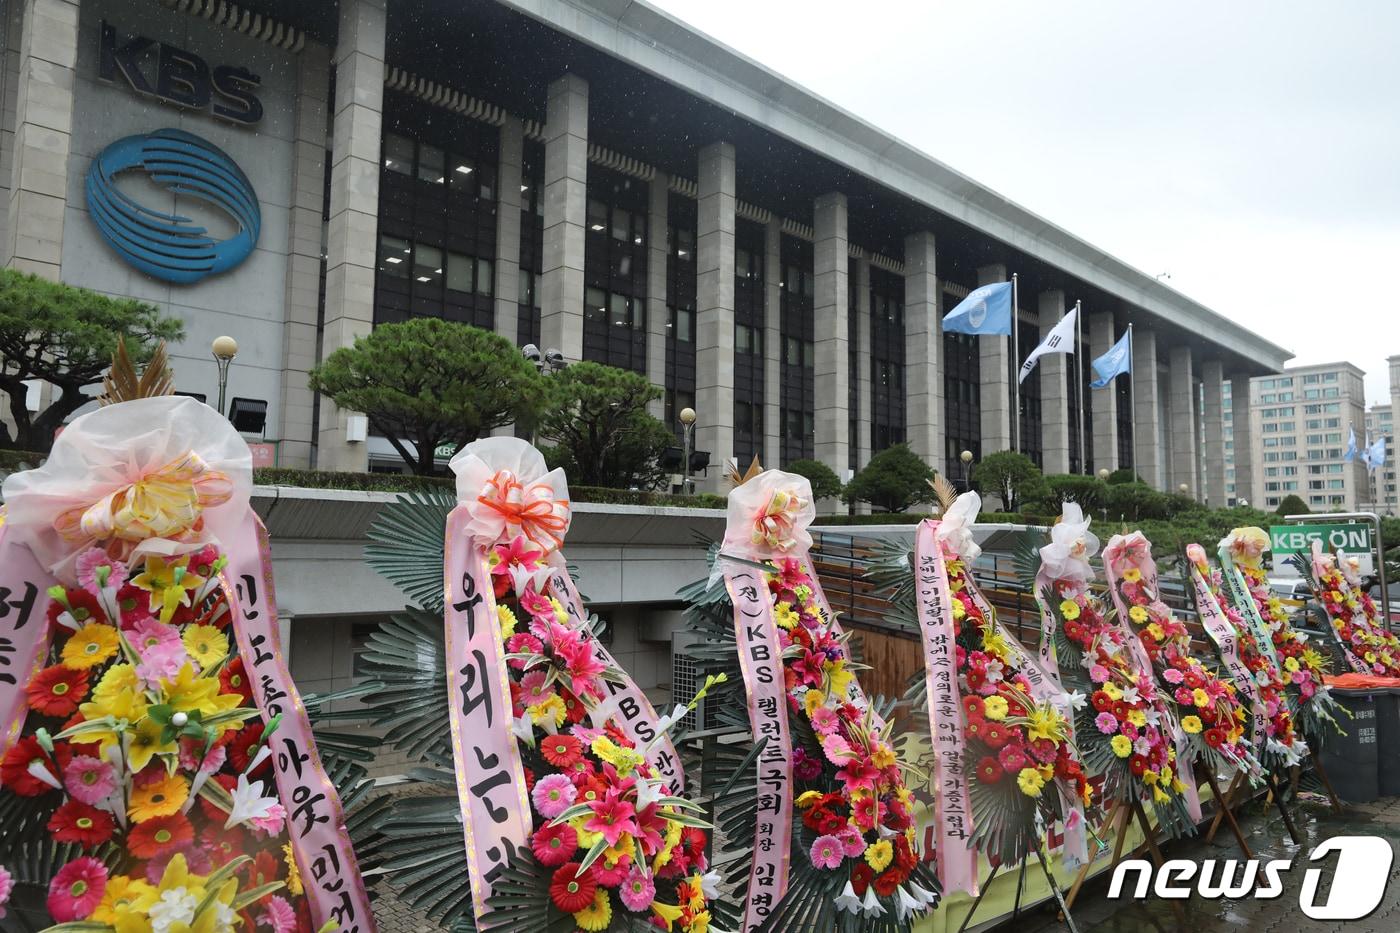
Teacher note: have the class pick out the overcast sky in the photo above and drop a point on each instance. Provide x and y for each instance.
(1249, 149)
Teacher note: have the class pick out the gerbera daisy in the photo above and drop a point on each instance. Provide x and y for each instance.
(159, 798)
(233, 679)
(77, 822)
(597, 915)
(89, 780)
(76, 890)
(57, 690)
(159, 836)
(570, 891)
(562, 751)
(553, 794)
(554, 845)
(15, 765)
(90, 646)
(637, 891)
(206, 644)
(278, 915)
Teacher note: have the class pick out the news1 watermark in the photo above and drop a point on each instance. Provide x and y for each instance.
(1358, 881)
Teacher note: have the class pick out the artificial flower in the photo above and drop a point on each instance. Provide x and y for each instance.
(89, 780)
(206, 644)
(161, 798)
(554, 845)
(159, 836)
(1191, 725)
(57, 690)
(1122, 746)
(77, 889)
(597, 915)
(121, 894)
(1031, 781)
(637, 891)
(571, 891)
(827, 852)
(553, 794)
(995, 707)
(80, 823)
(89, 646)
(879, 855)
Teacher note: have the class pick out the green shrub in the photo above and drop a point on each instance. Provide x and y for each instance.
(825, 483)
(1292, 505)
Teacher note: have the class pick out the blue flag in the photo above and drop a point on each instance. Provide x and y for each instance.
(1350, 454)
(1117, 361)
(1374, 456)
(985, 310)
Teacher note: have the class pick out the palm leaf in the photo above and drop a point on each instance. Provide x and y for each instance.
(406, 544)
(1025, 557)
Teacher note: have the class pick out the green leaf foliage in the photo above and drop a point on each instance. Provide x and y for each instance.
(1292, 505)
(825, 483)
(65, 336)
(894, 479)
(431, 382)
(597, 416)
(1012, 476)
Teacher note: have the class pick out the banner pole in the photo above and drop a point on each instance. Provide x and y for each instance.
(1015, 365)
(1132, 399)
(1079, 384)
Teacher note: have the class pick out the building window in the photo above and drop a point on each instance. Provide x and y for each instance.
(615, 264)
(887, 412)
(797, 380)
(680, 304)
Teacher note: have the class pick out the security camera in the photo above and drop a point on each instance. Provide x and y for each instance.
(553, 358)
(532, 352)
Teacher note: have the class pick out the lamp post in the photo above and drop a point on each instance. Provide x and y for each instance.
(549, 363)
(1103, 478)
(224, 349)
(1242, 503)
(687, 417)
(966, 458)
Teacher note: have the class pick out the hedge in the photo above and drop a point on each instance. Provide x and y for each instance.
(403, 482)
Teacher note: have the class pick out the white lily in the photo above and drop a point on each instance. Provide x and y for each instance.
(928, 897)
(709, 884)
(671, 718)
(955, 528)
(1077, 700)
(1130, 695)
(263, 754)
(37, 771)
(871, 904)
(1071, 545)
(523, 728)
(248, 803)
(904, 904)
(847, 900)
(648, 792)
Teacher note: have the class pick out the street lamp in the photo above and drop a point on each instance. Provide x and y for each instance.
(1103, 478)
(688, 429)
(1103, 474)
(1183, 489)
(966, 458)
(224, 349)
(551, 359)
(1242, 503)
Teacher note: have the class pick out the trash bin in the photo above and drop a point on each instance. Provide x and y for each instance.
(1388, 741)
(1352, 760)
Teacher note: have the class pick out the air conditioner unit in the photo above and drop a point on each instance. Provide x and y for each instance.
(686, 679)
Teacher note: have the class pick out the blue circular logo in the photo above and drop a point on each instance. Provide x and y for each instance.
(171, 247)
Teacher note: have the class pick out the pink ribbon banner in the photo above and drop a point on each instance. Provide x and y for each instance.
(490, 776)
(957, 859)
(1135, 551)
(24, 632)
(760, 660)
(1227, 640)
(625, 703)
(334, 886)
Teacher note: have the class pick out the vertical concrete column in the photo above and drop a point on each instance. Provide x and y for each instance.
(1243, 437)
(48, 54)
(714, 309)
(658, 315)
(1147, 452)
(352, 231)
(773, 342)
(1105, 401)
(509, 166)
(1182, 417)
(12, 18)
(995, 354)
(923, 350)
(1054, 388)
(831, 330)
(1213, 387)
(565, 212)
(862, 373)
(302, 298)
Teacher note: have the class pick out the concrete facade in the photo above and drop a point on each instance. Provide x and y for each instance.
(714, 306)
(1104, 442)
(997, 417)
(832, 339)
(565, 204)
(1183, 431)
(923, 349)
(1053, 370)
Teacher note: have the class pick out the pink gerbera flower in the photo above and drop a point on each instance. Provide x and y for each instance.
(7, 885)
(553, 795)
(1172, 676)
(89, 780)
(146, 634)
(1107, 723)
(637, 891)
(76, 890)
(279, 915)
(852, 842)
(94, 564)
(828, 852)
(825, 721)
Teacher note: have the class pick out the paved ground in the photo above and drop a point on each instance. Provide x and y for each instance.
(1094, 912)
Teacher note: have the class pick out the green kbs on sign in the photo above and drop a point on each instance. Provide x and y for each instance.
(1298, 539)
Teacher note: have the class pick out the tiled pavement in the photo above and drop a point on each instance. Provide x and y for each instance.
(1095, 912)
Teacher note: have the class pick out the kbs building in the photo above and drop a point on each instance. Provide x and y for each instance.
(587, 175)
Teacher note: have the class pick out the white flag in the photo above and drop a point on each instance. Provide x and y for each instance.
(1059, 340)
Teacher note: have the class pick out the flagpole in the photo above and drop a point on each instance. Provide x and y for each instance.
(1015, 366)
(1079, 385)
(1132, 401)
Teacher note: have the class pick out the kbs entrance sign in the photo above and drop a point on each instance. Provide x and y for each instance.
(1297, 539)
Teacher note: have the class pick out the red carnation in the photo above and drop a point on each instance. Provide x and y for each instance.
(989, 770)
(57, 691)
(159, 836)
(554, 845)
(562, 751)
(77, 822)
(14, 768)
(570, 891)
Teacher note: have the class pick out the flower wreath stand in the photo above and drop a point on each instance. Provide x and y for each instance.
(817, 811)
(552, 797)
(1255, 673)
(154, 745)
(1367, 643)
(1005, 763)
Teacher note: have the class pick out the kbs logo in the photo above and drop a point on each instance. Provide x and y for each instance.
(1358, 883)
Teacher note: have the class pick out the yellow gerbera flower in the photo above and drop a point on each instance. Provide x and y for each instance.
(959, 611)
(1138, 614)
(813, 701)
(551, 706)
(89, 646)
(1156, 631)
(1030, 781)
(1069, 609)
(1200, 697)
(784, 615)
(1192, 724)
(1132, 575)
(507, 621)
(807, 798)
(1291, 664)
(1137, 717)
(206, 644)
(596, 916)
(878, 855)
(1113, 691)
(1122, 746)
(995, 707)
(161, 798)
